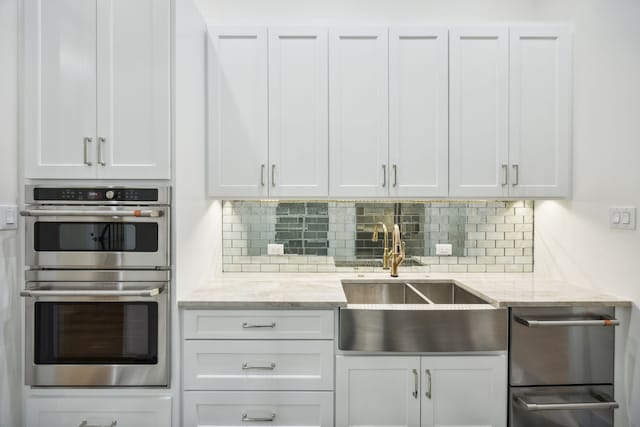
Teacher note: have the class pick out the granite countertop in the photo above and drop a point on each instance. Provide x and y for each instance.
(324, 290)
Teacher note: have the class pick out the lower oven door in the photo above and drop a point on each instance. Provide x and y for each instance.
(567, 406)
(96, 334)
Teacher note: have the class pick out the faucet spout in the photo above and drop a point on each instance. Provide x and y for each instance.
(386, 257)
(397, 251)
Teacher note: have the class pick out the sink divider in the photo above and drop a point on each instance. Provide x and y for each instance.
(410, 286)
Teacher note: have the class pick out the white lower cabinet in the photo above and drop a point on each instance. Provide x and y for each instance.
(421, 391)
(100, 411)
(240, 408)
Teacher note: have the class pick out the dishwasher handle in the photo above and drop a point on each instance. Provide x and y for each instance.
(537, 323)
(566, 406)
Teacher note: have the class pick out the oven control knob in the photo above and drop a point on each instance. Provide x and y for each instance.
(109, 195)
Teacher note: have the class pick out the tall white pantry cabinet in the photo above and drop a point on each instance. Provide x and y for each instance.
(97, 89)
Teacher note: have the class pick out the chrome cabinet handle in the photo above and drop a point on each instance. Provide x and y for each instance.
(566, 406)
(273, 175)
(101, 142)
(85, 423)
(86, 141)
(246, 417)
(516, 173)
(428, 393)
(138, 213)
(384, 175)
(533, 323)
(246, 325)
(415, 383)
(262, 174)
(505, 174)
(395, 175)
(269, 367)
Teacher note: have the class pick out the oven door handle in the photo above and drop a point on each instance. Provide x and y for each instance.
(88, 293)
(73, 212)
(535, 323)
(566, 406)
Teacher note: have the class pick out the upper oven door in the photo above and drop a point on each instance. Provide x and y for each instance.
(97, 237)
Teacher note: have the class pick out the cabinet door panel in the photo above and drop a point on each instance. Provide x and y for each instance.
(418, 112)
(358, 112)
(237, 112)
(478, 120)
(298, 112)
(464, 391)
(59, 88)
(377, 391)
(134, 89)
(540, 91)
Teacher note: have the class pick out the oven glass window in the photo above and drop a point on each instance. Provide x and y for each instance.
(96, 236)
(89, 333)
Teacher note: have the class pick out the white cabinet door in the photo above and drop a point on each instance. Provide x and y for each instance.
(464, 391)
(134, 106)
(237, 112)
(478, 118)
(298, 112)
(59, 122)
(358, 112)
(540, 108)
(418, 112)
(119, 411)
(377, 391)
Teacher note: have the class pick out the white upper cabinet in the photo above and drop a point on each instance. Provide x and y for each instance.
(97, 89)
(237, 112)
(298, 112)
(418, 112)
(540, 108)
(59, 121)
(358, 112)
(134, 110)
(478, 119)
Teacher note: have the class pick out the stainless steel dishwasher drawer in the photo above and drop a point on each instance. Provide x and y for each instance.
(576, 406)
(562, 346)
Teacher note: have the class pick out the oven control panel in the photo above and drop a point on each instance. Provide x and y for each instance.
(76, 194)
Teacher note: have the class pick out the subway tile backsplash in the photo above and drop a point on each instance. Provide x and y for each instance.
(486, 236)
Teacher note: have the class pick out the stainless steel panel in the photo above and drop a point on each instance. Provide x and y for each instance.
(97, 275)
(577, 406)
(560, 355)
(99, 375)
(446, 330)
(164, 195)
(381, 293)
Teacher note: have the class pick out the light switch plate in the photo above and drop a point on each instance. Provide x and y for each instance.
(275, 249)
(622, 217)
(444, 248)
(8, 217)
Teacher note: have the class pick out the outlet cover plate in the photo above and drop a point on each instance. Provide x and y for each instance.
(275, 249)
(622, 218)
(444, 248)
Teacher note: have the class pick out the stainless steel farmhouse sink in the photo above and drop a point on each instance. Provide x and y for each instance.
(418, 316)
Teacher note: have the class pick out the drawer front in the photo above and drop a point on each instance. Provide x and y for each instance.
(258, 365)
(546, 354)
(258, 324)
(99, 411)
(211, 408)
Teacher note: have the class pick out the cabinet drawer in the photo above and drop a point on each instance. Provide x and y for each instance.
(258, 365)
(98, 411)
(211, 408)
(258, 324)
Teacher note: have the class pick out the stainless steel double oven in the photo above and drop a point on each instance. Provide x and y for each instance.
(97, 286)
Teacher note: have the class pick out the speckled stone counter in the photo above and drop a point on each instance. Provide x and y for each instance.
(318, 290)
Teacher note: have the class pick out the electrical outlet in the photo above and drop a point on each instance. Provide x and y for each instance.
(8, 217)
(275, 249)
(622, 217)
(444, 248)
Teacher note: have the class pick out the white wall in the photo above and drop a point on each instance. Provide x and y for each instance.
(10, 313)
(572, 238)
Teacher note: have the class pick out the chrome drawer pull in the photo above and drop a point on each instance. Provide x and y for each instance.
(86, 141)
(246, 325)
(565, 406)
(428, 393)
(85, 423)
(246, 417)
(505, 174)
(532, 323)
(415, 383)
(269, 367)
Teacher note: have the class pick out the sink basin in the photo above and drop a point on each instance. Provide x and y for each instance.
(418, 316)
